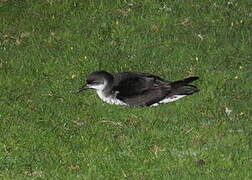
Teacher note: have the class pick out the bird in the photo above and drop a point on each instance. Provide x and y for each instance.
(137, 88)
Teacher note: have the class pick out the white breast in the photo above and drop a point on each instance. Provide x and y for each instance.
(110, 99)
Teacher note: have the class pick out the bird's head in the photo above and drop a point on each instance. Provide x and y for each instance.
(97, 80)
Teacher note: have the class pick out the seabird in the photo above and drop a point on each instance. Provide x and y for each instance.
(137, 89)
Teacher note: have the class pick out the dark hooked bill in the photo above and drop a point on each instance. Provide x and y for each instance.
(84, 87)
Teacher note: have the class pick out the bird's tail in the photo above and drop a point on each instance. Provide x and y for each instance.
(182, 87)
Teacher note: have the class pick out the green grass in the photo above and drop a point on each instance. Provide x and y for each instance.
(48, 47)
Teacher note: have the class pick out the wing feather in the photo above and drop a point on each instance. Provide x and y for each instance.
(142, 90)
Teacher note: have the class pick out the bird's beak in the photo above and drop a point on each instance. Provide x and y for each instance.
(84, 87)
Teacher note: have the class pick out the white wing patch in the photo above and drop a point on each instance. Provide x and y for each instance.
(169, 99)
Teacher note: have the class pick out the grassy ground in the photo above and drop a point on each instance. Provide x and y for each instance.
(47, 47)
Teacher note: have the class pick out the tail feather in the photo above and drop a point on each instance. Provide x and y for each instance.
(182, 88)
(185, 90)
(180, 83)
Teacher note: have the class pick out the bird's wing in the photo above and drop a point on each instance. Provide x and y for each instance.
(141, 90)
(127, 75)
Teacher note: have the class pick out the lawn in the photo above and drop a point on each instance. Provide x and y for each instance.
(48, 47)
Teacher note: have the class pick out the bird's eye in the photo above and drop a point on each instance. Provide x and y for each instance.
(95, 82)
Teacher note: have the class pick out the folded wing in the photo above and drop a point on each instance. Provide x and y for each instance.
(142, 90)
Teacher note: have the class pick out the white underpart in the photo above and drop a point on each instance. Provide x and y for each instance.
(108, 99)
(169, 99)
